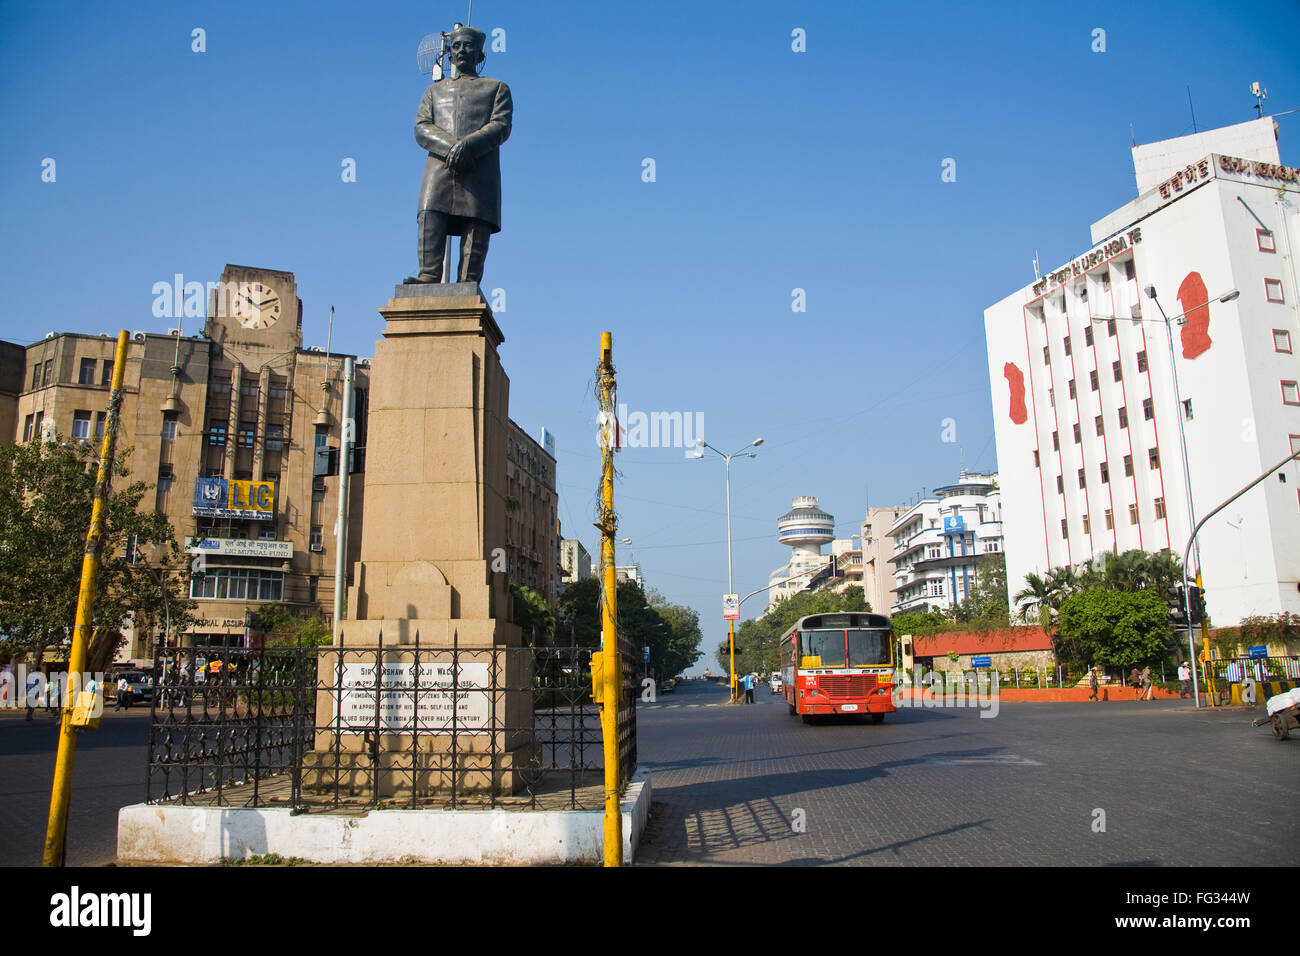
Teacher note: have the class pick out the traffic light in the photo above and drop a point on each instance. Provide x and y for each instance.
(1177, 601)
(1196, 604)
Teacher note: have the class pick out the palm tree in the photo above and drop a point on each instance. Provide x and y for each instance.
(1037, 596)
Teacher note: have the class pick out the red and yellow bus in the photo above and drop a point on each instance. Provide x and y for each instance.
(840, 663)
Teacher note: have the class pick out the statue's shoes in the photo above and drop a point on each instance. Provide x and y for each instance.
(421, 279)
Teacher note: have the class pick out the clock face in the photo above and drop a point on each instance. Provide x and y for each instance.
(257, 306)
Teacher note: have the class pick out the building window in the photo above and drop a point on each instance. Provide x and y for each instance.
(1187, 409)
(1094, 380)
(1153, 456)
(1083, 482)
(1123, 417)
(1110, 327)
(1128, 466)
(1148, 409)
(1265, 240)
(1072, 391)
(1087, 525)
(274, 437)
(49, 372)
(1047, 355)
(106, 376)
(322, 435)
(1281, 341)
(1272, 291)
(1160, 508)
(1142, 361)
(220, 386)
(1100, 427)
(246, 434)
(87, 375)
(36, 375)
(1105, 473)
(1115, 368)
(1067, 345)
(1129, 271)
(238, 584)
(1051, 397)
(1056, 441)
(1132, 514)
(1110, 520)
(248, 388)
(169, 426)
(1290, 393)
(279, 392)
(1065, 528)
(1036, 462)
(1087, 335)
(1078, 432)
(217, 432)
(317, 540)
(1295, 443)
(29, 429)
(99, 426)
(1060, 484)
(81, 425)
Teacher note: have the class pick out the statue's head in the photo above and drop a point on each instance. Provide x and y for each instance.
(467, 49)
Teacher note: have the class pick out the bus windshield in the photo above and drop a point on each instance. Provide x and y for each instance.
(868, 648)
(828, 645)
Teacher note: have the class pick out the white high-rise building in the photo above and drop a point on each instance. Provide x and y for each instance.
(1086, 415)
(938, 541)
(805, 528)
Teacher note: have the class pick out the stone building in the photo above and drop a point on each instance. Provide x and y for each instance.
(238, 427)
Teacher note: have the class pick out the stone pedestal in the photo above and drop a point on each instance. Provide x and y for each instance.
(433, 529)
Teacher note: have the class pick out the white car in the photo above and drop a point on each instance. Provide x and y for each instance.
(776, 683)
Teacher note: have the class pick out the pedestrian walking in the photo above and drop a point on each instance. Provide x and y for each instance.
(123, 693)
(1092, 683)
(1135, 681)
(1148, 685)
(1184, 681)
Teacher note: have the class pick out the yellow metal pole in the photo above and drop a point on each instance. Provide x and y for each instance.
(608, 674)
(56, 832)
(731, 643)
(1211, 691)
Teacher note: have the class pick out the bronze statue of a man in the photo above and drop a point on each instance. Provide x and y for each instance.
(462, 122)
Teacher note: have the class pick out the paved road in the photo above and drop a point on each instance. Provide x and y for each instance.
(927, 787)
(109, 773)
(945, 787)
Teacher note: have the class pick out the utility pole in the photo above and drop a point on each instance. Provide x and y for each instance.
(56, 832)
(606, 679)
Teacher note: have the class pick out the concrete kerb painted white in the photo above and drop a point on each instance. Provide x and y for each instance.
(162, 834)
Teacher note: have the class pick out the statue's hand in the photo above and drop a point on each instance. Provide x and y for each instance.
(457, 158)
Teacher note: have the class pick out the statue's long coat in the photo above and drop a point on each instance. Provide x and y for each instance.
(475, 110)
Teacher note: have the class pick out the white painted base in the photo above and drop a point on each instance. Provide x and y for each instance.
(169, 834)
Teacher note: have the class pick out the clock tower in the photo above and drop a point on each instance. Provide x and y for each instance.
(253, 307)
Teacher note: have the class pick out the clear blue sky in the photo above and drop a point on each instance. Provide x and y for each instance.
(775, 170)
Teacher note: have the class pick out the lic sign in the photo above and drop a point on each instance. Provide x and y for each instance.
(222, 498)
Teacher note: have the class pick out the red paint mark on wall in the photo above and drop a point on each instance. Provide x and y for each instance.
(1016, 380)
(1196, 307)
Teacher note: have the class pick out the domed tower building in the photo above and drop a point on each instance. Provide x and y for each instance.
(805, 528)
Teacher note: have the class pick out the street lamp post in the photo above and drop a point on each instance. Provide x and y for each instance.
(1150, 291)
(731, 624)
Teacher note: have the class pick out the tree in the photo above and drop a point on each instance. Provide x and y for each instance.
(1113, 628)
(985, 607)
(46, 498)
(921, 623)
(671, 631)
(534, 616)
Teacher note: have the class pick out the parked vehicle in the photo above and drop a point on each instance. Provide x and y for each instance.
(668, 686)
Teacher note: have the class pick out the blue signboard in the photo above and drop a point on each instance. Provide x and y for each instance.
(954, 524)
(1258, 651)
(984, 661)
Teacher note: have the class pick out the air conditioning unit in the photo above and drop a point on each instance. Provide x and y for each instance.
(319, 548)
(175, 332)
(137, 336)
(49, 335)
(1135, 310)
(364, 363)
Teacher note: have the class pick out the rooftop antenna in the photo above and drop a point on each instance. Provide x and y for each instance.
(1191, 107)
(323, 416)
(1260, 95)
(173, 402)
(1131, 137)
(1037, 274)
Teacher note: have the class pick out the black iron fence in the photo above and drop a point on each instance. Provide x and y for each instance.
(1270, 675)
(393, 725)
